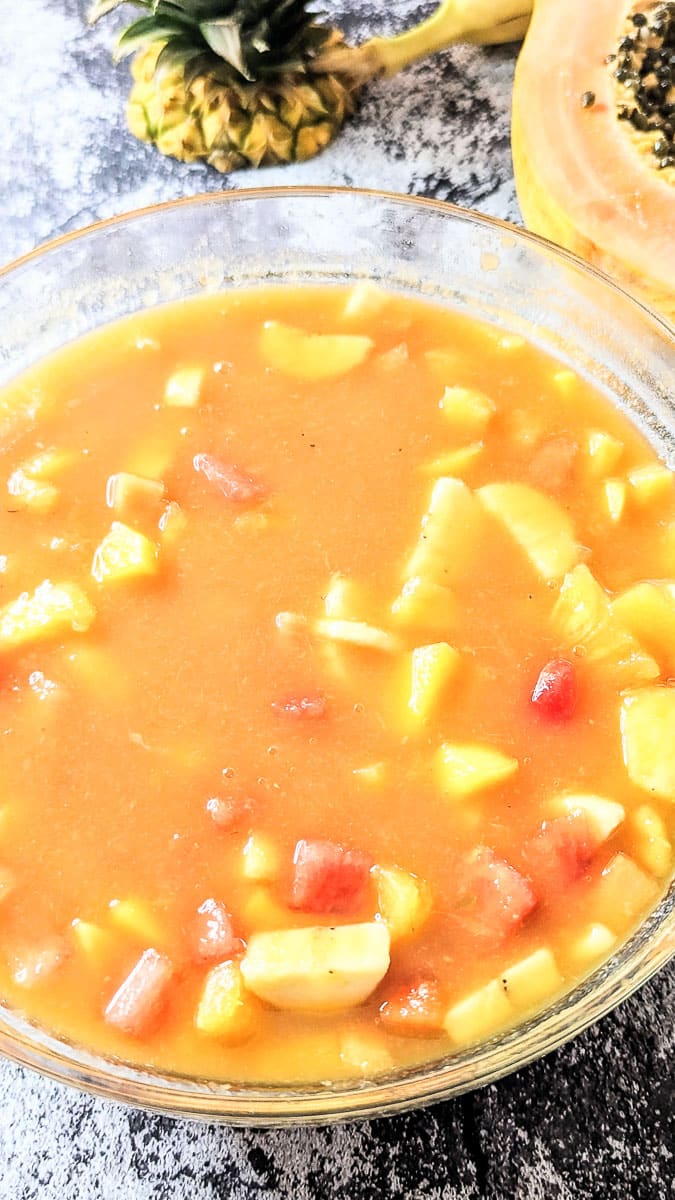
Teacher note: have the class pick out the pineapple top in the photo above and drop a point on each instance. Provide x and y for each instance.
(240, 40)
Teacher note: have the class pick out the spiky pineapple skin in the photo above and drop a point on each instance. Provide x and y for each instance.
(278, 120)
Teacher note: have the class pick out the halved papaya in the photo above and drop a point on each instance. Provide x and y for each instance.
(592, 137)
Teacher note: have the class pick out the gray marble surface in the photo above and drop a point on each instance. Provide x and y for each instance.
(591, 1120)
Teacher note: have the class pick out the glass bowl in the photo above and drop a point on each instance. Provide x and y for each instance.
(484, 268)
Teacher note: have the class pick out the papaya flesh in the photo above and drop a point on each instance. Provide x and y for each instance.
(585, 177)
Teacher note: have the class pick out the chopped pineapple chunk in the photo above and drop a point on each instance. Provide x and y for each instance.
(51, 611)
(94, 941)
(652, 847)
(172, 523)
(403, 900)
(445, 364)
(392, 359)
(539, 525)
(621, 894)
(358, 633)
(312, 356)
(583, 619)
(124, 554)
(129, 494)
(464, 769)
(565, 381)
(615, 491)
(432, 669)
(480, 1014)
(454, 462)
(602, 816)
(136, 917)
(184, 388)
(321, 967)
(467, 410)
(451, 528)
(604, 452)
(365, 299)
(152, 459)
(422, 604)
(648, 612)
(345, 599)
(261, 911)
(651, 484)
(226, 1010)
(648, 737)
(365, 1052)
(32, 482)
(261, 859)
(595, 942)
(531, 980)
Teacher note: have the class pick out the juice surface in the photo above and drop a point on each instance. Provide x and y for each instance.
(258, 676)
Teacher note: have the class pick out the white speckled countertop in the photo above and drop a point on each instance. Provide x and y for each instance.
(591, 1120)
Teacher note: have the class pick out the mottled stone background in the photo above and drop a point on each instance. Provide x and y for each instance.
(590, 1121)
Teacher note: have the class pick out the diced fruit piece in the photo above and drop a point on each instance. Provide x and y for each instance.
(345, 598)
(321, 967)
(403, 900)
(652, 846)
(262, 911)
(615, 491)
(595, 942)
(291, 624)
(621, 894)
(183, 388)
(451, 528)
(226, 1010)
(432, 669)
(261, 859)
(211, 934)
(7, 883)
(555, 692)
(358, 633)
(132, 496)
(493, 897)
(154, 457)
(365, 1053)
(90, 664)
(253, 522)
(374, 774)
(532, 980)
(36, 964)
(648, 737)
(602, 816)
(365, 299)
(445, 364)
(227, 478)
(312, 356)
(552, 464)
(172, 523)
(392, 359)
(424, 605)
(137, 1006)
(34, 494)
(539, 525)
(565, 381)
(93, 940)
(136, 918)
(480, 1014)
(20, 404)
(651, 484)
(648, 612)
(604, 452)
(467, 410)
(559, 853)
(327, 878)
(311, 707)
(525, 427)
(583, 619)
(124, 554)
(414, 1010)
(466, 768)
(231, 812)
(454, 462)
(51, 611)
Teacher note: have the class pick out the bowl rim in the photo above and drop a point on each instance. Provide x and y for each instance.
(171, 1093)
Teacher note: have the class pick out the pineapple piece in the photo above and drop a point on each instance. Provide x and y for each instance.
(392, 359)
(432, 669)
(374, 774)
(124, 554)
(291, 624)
(651, 484)
(95, 942)
(152, 459)
(7, 883)
(532, 980)
(422, 604)
(480, 1014)
(320, 967)
(621, 894)
(602, 816)
(172, 523)
(345, 598)
(595, 942)
(445, 364)
(403, 900)
(365, 299)
(652, 846)
(467, 410)
(539, 525)
(136, 917)
(129, 495)
(261, 859)
(648, 738)
(565, 381)
(365, 1052)
(20, 405)
(51, 611)
(184, 388)
(226, 1010)
(262, 912)
(312, 356)
(454, 462)
(33, 494)
(648, 612)
(615, 492)
(451, 528)
(358, 633)
(583, 618)
(604, 452)
(466, 768)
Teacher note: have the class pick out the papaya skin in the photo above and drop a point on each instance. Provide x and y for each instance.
(580, 180)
